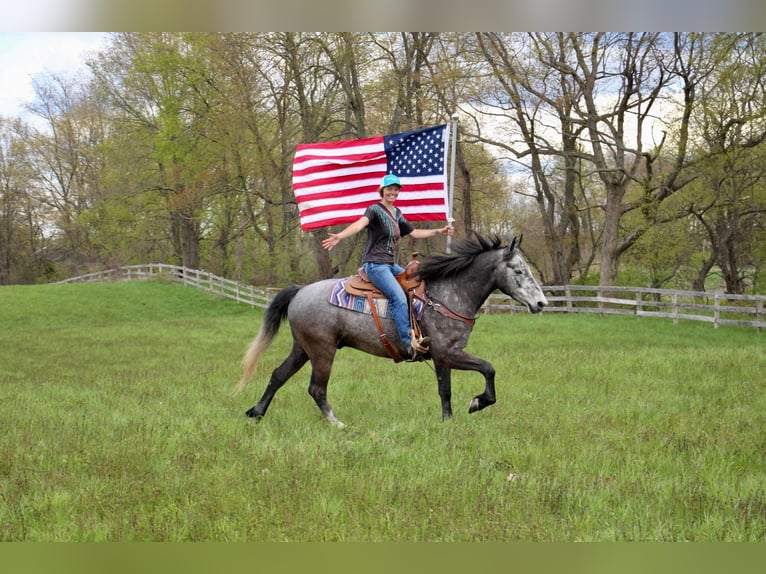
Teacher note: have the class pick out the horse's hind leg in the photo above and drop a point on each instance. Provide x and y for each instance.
(291, 365)
(320, 377)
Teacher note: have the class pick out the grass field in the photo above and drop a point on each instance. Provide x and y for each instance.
(117, 423)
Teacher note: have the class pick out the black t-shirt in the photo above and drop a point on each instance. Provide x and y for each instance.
(383, 231)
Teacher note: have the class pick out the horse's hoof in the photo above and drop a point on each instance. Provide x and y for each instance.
(253, 414)
(474, 405)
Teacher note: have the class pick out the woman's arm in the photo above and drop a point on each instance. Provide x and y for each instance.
(334, 238)
(426, 233)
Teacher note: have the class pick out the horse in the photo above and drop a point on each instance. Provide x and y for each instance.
(457, 283)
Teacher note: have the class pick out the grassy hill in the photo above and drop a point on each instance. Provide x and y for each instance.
(118, 424)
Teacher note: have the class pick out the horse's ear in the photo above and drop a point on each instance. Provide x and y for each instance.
(511, 246)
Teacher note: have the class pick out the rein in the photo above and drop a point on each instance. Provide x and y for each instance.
(444, 310)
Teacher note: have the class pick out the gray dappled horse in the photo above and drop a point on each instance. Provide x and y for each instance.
(457, 285)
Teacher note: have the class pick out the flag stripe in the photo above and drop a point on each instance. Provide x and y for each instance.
(334, 182)
(369, 181)
(307, 179)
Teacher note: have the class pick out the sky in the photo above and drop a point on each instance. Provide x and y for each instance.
(61, 42)
(391, 15)
(26, 54)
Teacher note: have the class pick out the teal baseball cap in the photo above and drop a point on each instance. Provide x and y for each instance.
(390, 179)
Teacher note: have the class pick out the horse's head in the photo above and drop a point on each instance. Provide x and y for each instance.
(515, 279)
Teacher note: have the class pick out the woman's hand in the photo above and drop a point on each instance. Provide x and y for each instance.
(334, 238)
(331, 241)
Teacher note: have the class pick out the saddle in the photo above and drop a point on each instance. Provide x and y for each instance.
(412, 285)
(361, 285)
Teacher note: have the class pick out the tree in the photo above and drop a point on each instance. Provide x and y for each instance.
(256, 130)
(14, 180)
(730, 123)
(452, 77)
(66, 160)
(729, 203)
(536, 91)
(159, 86)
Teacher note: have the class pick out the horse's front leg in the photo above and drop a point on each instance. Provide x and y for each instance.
(487, 398)
(444, 383)
(465, 362)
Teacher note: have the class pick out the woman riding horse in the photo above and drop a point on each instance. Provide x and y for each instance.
(385, 225)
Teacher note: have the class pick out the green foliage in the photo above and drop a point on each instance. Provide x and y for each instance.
(118, 425)
(660, 257)
(177, 147)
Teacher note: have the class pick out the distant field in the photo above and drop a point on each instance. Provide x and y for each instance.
(117, 423)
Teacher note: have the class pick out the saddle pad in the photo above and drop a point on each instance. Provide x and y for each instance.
(339, 297)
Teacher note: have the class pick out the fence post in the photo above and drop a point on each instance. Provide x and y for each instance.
(675, 308)
(638, 304)
(717, 311)
(600, 304)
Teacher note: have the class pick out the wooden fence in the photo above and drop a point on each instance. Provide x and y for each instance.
(197, 278)
(716, 308)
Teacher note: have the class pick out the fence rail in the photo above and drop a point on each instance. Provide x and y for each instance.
(195, 277)
(716, 308)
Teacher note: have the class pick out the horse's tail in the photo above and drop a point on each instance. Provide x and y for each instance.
(275, 314)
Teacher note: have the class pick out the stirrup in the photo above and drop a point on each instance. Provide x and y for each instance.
(419, 344)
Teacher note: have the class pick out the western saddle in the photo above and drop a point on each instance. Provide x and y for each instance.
(412, 285)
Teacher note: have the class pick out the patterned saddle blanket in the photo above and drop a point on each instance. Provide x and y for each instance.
(339, 297)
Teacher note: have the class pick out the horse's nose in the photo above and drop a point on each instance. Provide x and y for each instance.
(540, 305)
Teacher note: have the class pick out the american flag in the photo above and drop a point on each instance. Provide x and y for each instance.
(334, 182)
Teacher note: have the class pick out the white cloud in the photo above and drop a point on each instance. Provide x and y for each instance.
(24, 55)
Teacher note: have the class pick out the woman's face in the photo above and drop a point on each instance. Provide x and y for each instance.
(390, 193)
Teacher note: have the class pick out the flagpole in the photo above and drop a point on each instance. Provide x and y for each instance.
(450, 219)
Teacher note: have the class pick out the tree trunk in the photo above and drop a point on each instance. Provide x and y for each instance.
(730, 268)
(699, 281)
(324, 264)
(190, 242)
(610, 249)
(465, 175)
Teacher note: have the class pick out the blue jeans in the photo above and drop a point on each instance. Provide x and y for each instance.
(382, 276)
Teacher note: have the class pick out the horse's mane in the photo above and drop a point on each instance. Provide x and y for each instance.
(464, 252)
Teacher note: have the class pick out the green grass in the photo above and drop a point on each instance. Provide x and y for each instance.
(117, 423)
